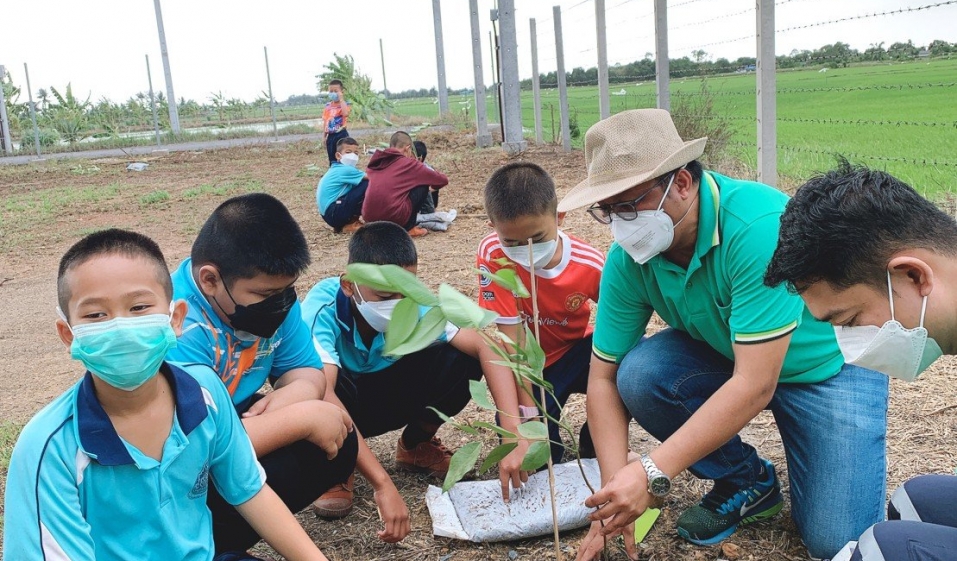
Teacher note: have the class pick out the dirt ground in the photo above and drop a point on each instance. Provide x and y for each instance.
(48, 206)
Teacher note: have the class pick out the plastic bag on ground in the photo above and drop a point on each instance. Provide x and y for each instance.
(474, 510)
(436, 221)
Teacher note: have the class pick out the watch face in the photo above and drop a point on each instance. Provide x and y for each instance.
(659, 486)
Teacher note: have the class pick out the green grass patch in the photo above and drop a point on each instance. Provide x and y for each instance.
(156, 197)
(244, 185)
(8, 437)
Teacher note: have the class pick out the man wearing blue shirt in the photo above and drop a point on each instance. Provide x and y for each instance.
(244, 322)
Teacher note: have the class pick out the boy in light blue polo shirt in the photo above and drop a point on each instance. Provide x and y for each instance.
(343, 188)
(244, 322)
(119, 466)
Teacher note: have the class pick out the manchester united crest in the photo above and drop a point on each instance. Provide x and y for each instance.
(575, 301)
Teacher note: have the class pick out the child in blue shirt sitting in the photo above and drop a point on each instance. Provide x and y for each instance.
(343, 188)
(118, 467)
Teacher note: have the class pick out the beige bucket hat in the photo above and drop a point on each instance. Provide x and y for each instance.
(627, 149)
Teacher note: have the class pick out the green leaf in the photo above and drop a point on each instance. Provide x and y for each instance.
(405, 316)
(391, 278)
(461, 463)
(507, 278)
(494, 428)
(536, 356)
(441, 415)
(496, 455)
(479, 391)
(533, 430)
(537, 456)
(461, 310)
(463, 427)
(426, 331)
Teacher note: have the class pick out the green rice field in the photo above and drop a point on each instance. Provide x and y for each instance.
(900, 117)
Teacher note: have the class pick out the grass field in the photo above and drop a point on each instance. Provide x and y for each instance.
(923, 93)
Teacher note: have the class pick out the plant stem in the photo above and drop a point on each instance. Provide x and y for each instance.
(551, 468)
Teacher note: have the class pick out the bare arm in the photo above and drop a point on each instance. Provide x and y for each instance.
(392, 508)
(267, 514)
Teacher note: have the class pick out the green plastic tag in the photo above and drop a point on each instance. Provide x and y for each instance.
(645, 522)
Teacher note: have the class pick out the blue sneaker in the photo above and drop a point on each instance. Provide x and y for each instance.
(725, 507)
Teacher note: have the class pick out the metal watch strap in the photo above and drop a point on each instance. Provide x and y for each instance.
(656, 477)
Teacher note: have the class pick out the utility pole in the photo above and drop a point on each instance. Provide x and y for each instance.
(385, 86)
(536, 86)
(33, 111)
(4, 122)
(170, 96)
(156, 124)
(662, 76)
(272, 101)
(440, 58)
(482, 137)
(604, 102)
(767, 91)
(562, 85)
(511, 94)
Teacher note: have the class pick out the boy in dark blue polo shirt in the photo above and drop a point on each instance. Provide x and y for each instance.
(244, 322)
(118, 467)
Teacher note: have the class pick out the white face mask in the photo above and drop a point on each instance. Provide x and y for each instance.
(542, 253)
(892, 348)
(650, 233)
(376, 314)
(351, 160)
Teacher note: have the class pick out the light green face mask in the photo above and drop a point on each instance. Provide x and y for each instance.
(124, 352)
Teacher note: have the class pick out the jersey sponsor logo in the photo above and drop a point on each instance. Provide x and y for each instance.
(575, 301)
(484, 280)
(202, 484)
(488, 295)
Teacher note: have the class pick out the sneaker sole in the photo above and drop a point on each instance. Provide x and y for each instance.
(419, 469)
(763, 515)
(331, 513)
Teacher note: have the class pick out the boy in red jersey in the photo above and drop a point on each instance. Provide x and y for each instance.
(521, 204)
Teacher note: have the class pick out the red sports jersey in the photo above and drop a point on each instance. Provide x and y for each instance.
(565, 293)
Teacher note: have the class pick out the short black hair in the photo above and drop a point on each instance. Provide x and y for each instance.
(382, 243)
(520, 189)
(106, 242)
(400, 139)
(348, 140)
(251, 234)
(843, 226)
(421, 150)
(336, 82)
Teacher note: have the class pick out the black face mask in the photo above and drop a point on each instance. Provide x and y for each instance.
(262, 319)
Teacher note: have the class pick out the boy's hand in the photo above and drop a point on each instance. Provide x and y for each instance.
(279, 398)
(331, 425)
(393, 512)
(591, 547)
(510, 471)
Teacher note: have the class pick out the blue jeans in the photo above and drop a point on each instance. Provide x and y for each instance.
(833, 433)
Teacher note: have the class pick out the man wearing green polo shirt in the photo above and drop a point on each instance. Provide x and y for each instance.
(693, 246)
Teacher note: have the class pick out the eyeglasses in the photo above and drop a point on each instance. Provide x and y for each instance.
(627, 210)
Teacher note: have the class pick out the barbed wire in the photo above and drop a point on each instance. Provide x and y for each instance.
(865, 16)
(830, 121)
(933, 162)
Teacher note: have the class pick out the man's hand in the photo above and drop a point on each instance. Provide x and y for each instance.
(330, 427)
(510, 471)
(279, 398)
(622, 500)
(393, 513)
(593, 544)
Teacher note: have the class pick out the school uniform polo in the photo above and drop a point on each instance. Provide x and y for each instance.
(720, 298)
(76, 490)
(327, 312)
(244, 362)
(335, 183)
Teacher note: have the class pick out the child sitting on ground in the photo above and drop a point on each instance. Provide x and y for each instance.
(118, 467)
(399, 185)
(244, 322)
(431, 202)
(521, 204)
(342, 189)
(385, 393)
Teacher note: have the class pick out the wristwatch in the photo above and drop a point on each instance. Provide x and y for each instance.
(658, 483)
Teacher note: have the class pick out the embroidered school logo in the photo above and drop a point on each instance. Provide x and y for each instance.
(484, 280)
(575, 301)
(202, 483)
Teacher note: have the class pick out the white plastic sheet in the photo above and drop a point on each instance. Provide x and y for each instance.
(474, 510)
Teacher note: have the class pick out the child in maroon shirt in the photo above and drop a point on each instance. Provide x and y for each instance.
(398, 185)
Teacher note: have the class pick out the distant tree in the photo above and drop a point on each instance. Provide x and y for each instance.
(699, 55)
(940, 48)
(900, 51)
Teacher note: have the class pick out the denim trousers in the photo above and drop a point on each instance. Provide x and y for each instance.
(834, 433)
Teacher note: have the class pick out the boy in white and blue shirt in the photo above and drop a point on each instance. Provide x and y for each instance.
(119, 466)
(342, 189)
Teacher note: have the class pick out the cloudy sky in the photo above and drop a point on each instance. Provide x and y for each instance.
(217, 45)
